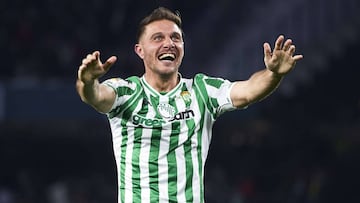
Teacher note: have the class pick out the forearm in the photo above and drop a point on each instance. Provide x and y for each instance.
(89, 92)
(257, 87)
(262, 83)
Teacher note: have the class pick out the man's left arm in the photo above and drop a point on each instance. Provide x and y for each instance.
(278, 63)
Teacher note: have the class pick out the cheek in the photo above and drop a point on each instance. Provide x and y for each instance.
(181, 54)
(149, 56)
(181, 49)
(149, 53)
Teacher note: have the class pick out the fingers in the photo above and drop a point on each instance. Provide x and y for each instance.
(278, 42)
(298, 57)
(109, 63)
(91, 66)
(267, 51)
(287, 45)
(96, 54)
(292, 52)
(91, 58)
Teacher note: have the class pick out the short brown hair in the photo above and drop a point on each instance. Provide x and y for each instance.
(160, 13)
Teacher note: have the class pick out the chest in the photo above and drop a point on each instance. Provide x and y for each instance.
(164, 112)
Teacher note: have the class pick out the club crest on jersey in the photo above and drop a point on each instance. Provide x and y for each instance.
(166, 110)
(186, 96)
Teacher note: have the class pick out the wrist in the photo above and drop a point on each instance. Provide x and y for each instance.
(274, 74)
(87, 79)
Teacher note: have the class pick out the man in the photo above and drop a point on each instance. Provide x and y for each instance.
(161, 123)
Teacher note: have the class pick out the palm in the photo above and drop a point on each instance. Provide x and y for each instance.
(95, 69)
(92, 68)
(281, 60)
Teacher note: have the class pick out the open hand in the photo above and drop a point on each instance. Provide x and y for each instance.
(282, 59)
(92, 68)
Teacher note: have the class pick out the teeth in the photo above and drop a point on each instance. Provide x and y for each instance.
(167, 57)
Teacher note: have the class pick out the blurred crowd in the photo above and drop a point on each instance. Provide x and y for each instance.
(48, 38)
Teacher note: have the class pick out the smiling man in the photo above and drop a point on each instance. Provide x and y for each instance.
(162, 123)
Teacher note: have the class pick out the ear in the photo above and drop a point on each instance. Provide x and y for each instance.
(139, 51)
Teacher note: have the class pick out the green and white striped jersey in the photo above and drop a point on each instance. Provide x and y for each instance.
(161, 141)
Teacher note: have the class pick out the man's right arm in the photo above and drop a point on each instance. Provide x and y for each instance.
(90, 90)
(99, 96)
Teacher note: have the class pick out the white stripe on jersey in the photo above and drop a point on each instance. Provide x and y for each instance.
(163, 166)
(196, 177)
(128, 170)
(144, 165)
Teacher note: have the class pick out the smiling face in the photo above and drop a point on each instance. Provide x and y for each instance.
(161, 47)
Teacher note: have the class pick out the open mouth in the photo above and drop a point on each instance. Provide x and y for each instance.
(167, 57)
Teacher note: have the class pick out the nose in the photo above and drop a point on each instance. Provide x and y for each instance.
(169, 43)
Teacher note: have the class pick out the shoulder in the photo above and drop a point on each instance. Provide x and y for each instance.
(118, 82)
(196, 81)
(124, 86)
(206, 80)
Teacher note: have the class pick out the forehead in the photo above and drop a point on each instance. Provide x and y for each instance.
(162, 26)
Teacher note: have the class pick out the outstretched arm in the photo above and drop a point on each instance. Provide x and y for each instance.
(99, 96)
(278, 63)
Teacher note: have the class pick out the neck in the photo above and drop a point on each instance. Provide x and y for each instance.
(162, 83)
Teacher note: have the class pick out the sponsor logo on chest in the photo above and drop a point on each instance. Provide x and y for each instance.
(166, 110)
(167, 113)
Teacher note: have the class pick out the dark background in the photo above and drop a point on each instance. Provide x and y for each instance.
(299, 145)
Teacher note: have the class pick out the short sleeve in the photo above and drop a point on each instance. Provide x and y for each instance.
(123, 90)
(216, 93)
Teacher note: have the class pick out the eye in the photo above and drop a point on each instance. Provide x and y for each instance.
(176, 38)
(158, 38)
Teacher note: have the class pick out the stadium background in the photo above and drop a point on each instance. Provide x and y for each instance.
(299, 145)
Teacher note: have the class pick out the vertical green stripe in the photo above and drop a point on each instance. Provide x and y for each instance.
(172, 165)
(124, 135)
(199, 140)
(189, 196)
(135, 166)
(201, 88)
(126, 117)
(154, 155)
(153, 165)
(136, 153)
(188, 161)
(171, 157)
(155, 102)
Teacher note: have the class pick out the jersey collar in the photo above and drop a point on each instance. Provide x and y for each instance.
(171, 93)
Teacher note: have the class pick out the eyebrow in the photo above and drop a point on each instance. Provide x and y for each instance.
(156, 33)
(161, 33)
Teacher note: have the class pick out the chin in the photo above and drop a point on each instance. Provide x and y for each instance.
(167, 68)
(167, 71)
